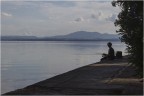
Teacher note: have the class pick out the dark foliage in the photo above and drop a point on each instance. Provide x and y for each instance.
(130, 23)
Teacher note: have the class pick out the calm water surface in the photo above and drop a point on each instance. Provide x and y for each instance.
(27, 62)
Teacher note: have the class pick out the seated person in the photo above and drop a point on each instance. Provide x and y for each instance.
(110, 55)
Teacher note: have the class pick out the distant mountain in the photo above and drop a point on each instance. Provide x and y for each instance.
(18, 38)
(83, 35)
(76, 36)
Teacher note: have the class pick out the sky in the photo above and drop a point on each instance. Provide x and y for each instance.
(50, 18)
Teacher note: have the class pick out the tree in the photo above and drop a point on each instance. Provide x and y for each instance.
(130, 23)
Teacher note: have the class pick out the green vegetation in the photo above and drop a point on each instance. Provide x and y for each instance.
(130, 23)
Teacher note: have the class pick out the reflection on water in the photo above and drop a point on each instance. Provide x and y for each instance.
(25, 63)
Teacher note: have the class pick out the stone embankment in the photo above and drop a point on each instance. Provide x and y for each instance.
(115, 77)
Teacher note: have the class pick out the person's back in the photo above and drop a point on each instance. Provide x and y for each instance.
(111, 55)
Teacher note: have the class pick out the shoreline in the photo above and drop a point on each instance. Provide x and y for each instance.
(102, 78)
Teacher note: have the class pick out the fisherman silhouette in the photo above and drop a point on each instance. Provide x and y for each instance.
(110, 55)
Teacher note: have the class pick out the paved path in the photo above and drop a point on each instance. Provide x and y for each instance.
(103, 78)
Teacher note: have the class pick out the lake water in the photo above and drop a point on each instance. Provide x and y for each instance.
(27, 62)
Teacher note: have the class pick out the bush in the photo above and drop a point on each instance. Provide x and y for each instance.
(130, 23)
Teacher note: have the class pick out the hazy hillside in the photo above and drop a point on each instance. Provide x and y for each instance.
(79, 35)
(83, 35)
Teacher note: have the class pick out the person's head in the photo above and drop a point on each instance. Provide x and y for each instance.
(109, 44)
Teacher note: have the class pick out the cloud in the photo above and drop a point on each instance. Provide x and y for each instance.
(112, 17)
(80, 19)
(94, 16)
(61, 3)
(104, 16)
(53, 18)
(6, 14)
(99, 16)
